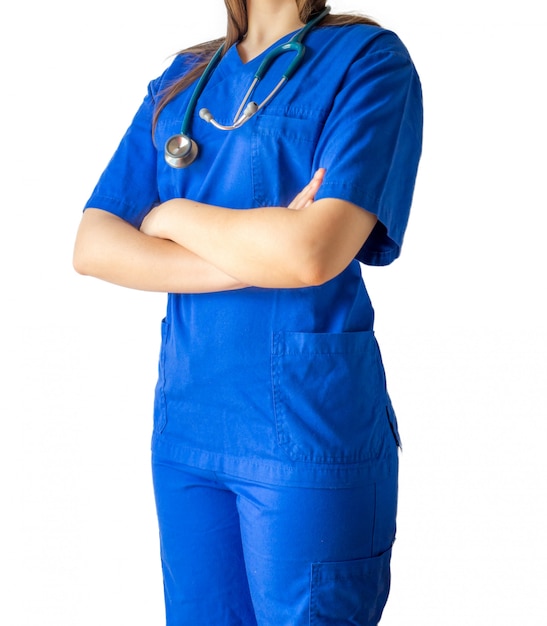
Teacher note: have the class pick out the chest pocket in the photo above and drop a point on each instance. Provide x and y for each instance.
(282, 151)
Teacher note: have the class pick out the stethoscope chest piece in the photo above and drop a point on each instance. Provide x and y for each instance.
(180, 151)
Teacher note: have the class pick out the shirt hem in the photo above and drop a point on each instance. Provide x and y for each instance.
(276, 472)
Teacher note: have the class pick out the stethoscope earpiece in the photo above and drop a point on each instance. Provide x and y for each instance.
(180, 151)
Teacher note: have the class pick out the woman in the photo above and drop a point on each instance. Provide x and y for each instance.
(275, 443)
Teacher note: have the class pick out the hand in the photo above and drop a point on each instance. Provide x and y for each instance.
(307, 195)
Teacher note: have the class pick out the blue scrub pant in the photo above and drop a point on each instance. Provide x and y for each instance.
(240, 553)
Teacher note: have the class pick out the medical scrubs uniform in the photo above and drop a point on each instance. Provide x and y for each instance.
(275, 444)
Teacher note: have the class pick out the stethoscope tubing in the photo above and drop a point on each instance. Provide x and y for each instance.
(198, 90)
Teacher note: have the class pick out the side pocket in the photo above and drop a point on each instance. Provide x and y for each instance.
(392, 418)
(329, 396)
(350, 592)
(160, 407)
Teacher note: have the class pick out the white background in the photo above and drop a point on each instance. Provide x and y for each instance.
(460, 318)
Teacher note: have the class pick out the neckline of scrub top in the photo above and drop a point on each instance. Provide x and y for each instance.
(232, 57)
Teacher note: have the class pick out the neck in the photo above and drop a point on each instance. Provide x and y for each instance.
(268, 21)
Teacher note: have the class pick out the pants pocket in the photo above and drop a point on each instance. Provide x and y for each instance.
(351, 592)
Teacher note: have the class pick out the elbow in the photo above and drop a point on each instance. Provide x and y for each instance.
(80, 262)
(86, 253)
(319, 263)
(84, 257)
(312, 278)
(316, 271)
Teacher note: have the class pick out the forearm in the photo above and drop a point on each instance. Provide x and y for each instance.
(112, 250)
(258, 245)
(268, 247)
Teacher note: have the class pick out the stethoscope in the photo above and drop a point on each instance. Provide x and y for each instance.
(181, 150)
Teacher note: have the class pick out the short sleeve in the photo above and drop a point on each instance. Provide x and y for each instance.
(372, 140)
(128, 185)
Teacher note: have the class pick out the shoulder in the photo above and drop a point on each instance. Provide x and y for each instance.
(353, 52)
(180, 65)
(360, 39)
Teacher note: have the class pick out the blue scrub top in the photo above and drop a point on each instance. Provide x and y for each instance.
(281, 385)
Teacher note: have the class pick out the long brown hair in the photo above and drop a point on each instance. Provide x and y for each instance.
(236, 29)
